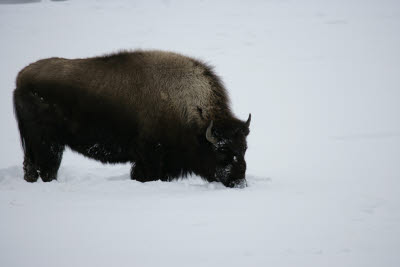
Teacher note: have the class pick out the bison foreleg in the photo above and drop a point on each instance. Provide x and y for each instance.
(145, 173)
(149, 166)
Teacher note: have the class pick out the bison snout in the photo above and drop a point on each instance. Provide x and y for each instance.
(242, 183)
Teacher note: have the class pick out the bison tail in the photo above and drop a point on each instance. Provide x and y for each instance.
(18, 116)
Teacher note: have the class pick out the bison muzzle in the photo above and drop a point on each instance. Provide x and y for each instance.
(167, 114)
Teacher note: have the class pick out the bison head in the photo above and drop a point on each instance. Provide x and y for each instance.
(229, 146)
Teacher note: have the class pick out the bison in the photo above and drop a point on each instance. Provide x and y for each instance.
(167, 114)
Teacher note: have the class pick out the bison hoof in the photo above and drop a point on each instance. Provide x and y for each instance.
(48, 179)
(30, 179)
(31, 175)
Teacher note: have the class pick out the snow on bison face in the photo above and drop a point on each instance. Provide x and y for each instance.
(230, 147)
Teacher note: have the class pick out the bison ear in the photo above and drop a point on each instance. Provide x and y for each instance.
(209, 136)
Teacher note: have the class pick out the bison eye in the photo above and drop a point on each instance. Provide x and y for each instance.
(227, 157)
(223, 149)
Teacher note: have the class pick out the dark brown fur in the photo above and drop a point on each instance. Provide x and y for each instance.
(150, 108)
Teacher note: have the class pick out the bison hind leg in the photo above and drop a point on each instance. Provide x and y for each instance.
(44, 162)
(31, 173)
(40, 138)
(48, 168)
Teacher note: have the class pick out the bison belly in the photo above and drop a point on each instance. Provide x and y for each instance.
(100, 144)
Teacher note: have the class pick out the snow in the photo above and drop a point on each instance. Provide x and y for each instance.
(321, 80)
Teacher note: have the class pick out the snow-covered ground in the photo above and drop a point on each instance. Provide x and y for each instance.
(322, 81)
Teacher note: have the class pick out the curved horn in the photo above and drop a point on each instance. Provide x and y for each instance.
(210, 138)
(248, 121)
